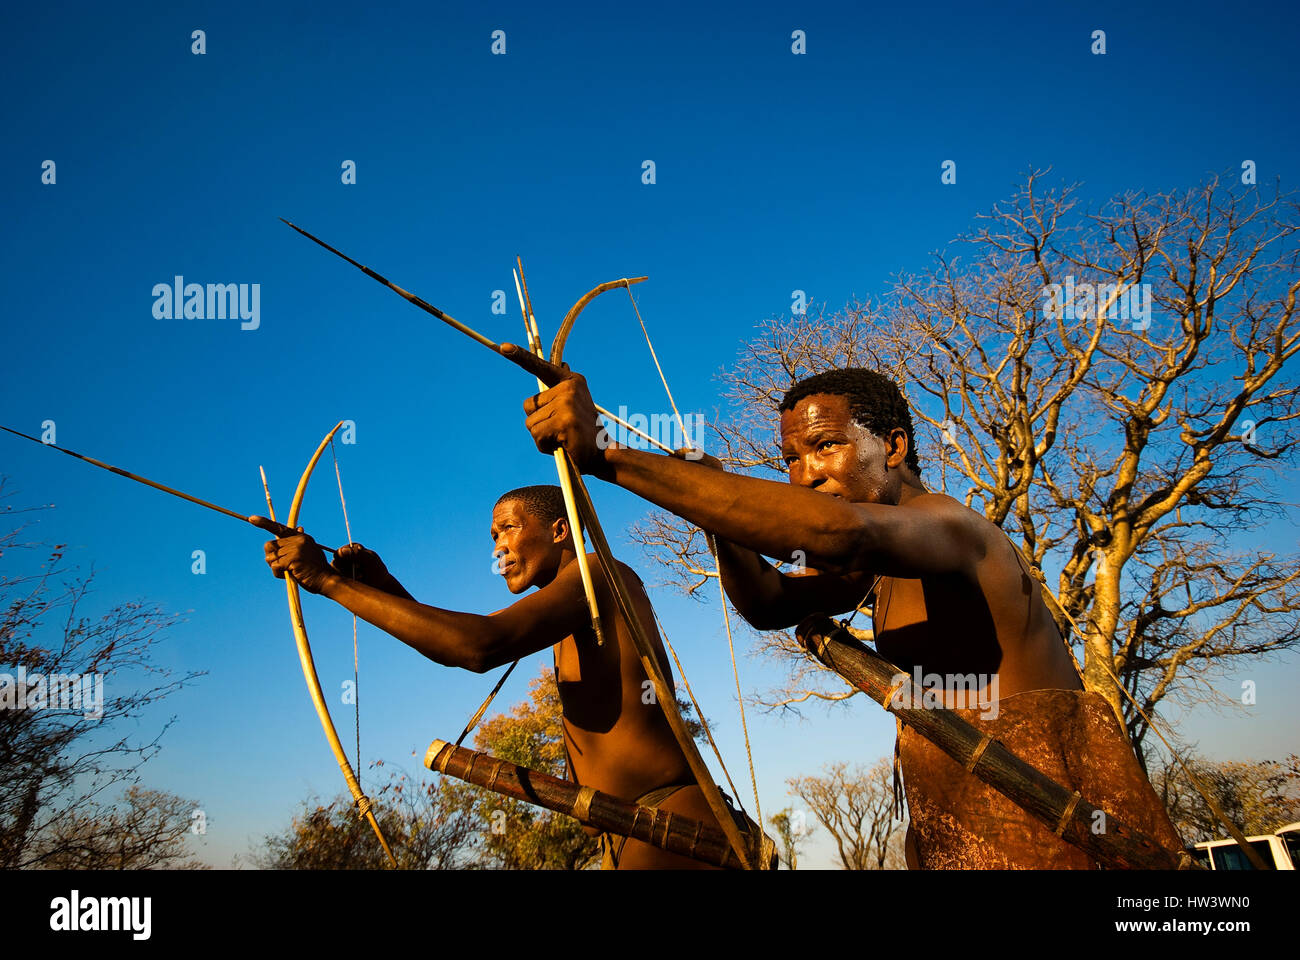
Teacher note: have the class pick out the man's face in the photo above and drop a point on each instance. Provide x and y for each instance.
(827, 451)
(526, 548)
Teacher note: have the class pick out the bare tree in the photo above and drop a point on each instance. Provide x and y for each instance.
(1110, 386)
(855, 805)
(148, 830)
(791, 831)
(1259, 797)
(430, 825)
(64, 687)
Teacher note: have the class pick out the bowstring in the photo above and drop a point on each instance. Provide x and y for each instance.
(704, 724)
(857, 608)
(478, 714)
(356, 659)
(726, 614)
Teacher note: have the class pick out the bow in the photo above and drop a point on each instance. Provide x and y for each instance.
(562, 465)
(641, 637)
(309, 665)
(295, 603)
(749, 857)
(562, 335)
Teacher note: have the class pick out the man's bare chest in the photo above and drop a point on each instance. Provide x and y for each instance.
(589, 684)
(942, 625)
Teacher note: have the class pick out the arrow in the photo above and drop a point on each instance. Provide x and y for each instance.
(283, 531)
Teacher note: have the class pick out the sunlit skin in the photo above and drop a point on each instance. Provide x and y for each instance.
(952, 596)
(618, 743)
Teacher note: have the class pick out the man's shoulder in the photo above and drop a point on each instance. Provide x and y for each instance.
(628, 574)
(933, 500)
(952, 511)
(596, 566)
(629, 577)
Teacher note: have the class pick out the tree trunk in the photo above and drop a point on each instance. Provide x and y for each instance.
(1099, 638)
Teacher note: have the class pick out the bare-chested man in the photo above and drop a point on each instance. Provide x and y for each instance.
(616, 742)
(949, 595)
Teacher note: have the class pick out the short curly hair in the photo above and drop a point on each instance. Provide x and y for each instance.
(545, 502)
(875, 402)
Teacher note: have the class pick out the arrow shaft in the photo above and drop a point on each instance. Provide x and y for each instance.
(530, 362)
(404, 294)
(521, 359)
(562, 467)
(138, 479)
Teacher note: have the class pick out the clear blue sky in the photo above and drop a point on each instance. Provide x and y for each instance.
(775, 172)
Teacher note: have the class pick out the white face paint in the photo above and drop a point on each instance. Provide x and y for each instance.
(827, 451)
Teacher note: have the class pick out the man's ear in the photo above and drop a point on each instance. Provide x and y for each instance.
(896, 448)
(560, 530)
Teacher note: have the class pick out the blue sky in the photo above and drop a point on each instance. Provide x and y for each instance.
(775, 172)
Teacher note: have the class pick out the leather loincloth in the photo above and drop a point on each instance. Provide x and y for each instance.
(1071, 736)
(611, 844)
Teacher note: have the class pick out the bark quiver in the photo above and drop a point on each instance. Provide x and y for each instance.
(673, 832)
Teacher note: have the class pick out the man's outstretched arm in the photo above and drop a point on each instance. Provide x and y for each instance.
(768, 598)
(931, 534)
(449, 637)
(471, 641)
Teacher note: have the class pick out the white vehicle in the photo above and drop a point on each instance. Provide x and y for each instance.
(1280, 850)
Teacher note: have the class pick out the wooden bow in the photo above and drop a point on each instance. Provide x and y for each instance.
(749, 855)
(640, 633)
(309, 665)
